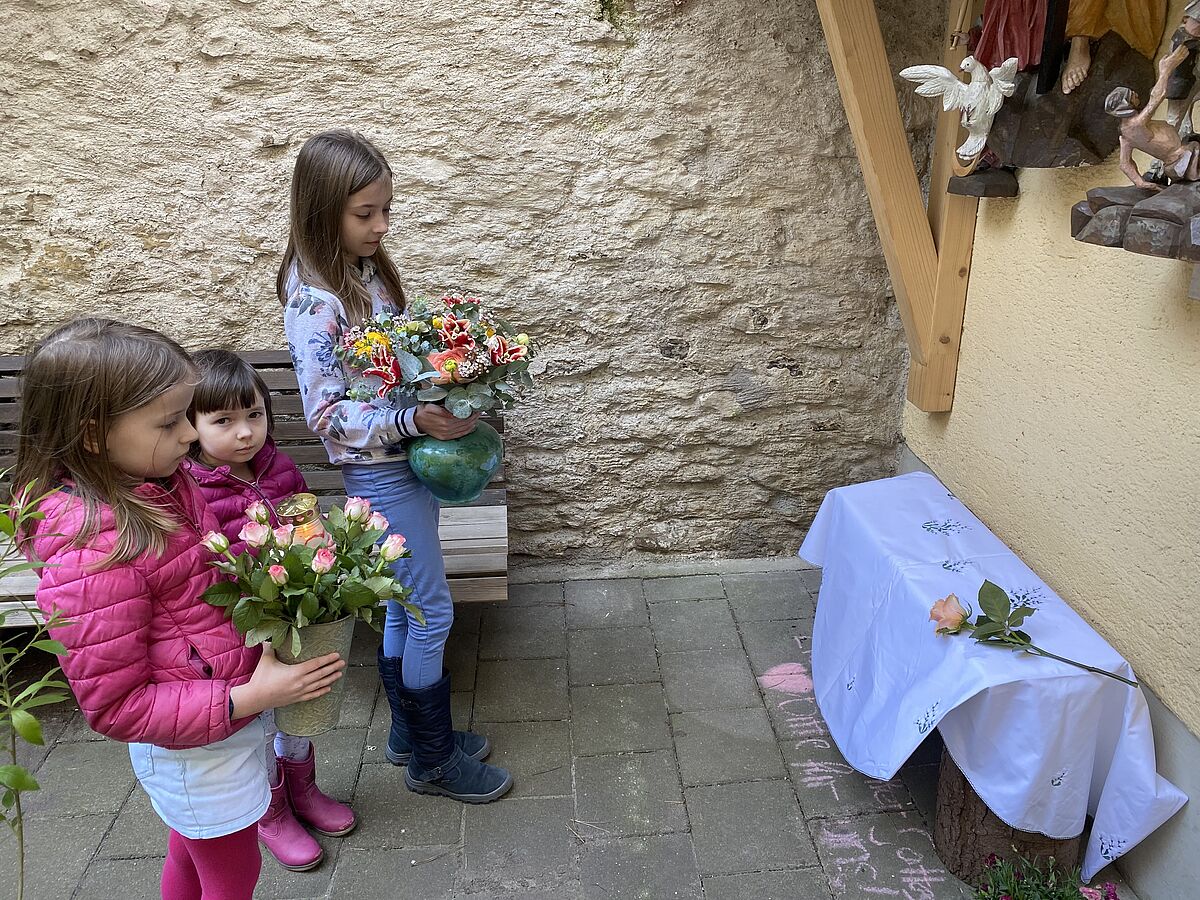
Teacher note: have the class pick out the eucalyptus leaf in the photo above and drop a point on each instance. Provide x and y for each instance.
(432, 394)
(459, 406)
(410, 366)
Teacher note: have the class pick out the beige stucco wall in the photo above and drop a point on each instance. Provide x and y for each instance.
(1075, 432)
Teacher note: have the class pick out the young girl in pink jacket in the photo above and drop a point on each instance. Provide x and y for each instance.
(104, 425)
(236, 463)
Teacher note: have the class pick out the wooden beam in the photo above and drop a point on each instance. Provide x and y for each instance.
(869, 95)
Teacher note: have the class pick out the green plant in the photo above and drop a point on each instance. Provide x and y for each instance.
(17, 700)
(1028, 880)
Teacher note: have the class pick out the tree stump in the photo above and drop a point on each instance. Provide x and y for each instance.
(966, 832)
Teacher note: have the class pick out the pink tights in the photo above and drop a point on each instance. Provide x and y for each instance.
(224, 868)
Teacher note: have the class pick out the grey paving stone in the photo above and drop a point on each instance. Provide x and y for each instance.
(461, 658)
(654, 867)
(516, 840)
(684, 587)
(133, 878)
(339, 755)
(693, 625)
(768, 596)
(54, 720)
(717, 746)
(418, 873)
(277, 883)
(794, 884)
(524, 632)
(708, 679)
(57, 851)
(546, 593)
(811, 579)
(612, 656)
(748, 827)
(828, 786)
(467, 617)
(538, 754)
(619, 718)
(521, 690)
(615, 603)
(771, 644)
(365, 646)
(888, 854)
(392, 816)
(358, 697)
(922, 782)
(461, 703)
(632, 793)
(137, 831)
(82, 779)
(78, 730)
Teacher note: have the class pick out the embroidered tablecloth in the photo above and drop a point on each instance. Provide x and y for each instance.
(1043, 743)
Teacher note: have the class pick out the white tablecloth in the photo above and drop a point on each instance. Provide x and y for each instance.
(1042, 743)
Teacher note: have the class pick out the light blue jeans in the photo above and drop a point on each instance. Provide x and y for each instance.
(393, 489)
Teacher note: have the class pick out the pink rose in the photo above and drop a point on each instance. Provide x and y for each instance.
(323, 561)
(257, 512)
(215, 541)
(439, 361)
(376, 522)
(393, 548)
(357, 509)
(285, 535)
(949, 615)
(278, 574)
(255, 534)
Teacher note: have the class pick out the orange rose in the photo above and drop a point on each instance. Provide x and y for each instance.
(949, 615)
(439, 361)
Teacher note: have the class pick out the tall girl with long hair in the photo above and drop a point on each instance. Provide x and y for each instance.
(335, 274)
(104, 426)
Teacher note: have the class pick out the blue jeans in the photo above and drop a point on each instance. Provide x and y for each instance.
(393, 489)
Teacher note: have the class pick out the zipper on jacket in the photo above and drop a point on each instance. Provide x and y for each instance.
(253, 485)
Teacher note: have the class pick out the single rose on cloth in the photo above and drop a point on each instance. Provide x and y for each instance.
(376, 522)
(358, 509)
(278, 574)
(215, 541)
(255, 534)
(323, 561)
(257, 512)
(445, 363)
(393, 548)
(949, 615)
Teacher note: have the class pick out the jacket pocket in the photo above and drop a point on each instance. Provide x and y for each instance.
(141, 756)
(198, 664)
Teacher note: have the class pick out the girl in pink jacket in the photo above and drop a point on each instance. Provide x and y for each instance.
(104, 426)
(236, 463)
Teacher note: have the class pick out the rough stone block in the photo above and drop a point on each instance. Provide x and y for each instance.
(618, 718)
(1189, 241)
(748, 827)
(1117, 195)
(633, 793)
(1107, 227)
(985, 183)
(1152, 237)
(1081, 214)
(1178, 203)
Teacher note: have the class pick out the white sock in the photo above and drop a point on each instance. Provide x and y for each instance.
(289, 746)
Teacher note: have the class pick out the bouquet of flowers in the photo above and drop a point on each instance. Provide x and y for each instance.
(290, 577)
(452, 351)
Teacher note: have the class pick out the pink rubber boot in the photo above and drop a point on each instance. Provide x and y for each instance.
(320, 812)
(282, 835)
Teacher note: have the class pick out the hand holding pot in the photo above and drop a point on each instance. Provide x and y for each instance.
(276, 684)
(441, 424)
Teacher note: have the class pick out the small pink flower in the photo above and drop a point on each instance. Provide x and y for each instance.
(215, 541)
(278, 574)
(257, 512)
(376, 522)
(949, 615)
(255, 534)
(323, 561)
(358, 509)
(392, 548)
(1110, 891)
(1090, 893)
(285, 535)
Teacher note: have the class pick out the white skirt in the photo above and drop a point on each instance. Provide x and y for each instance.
(210, 791)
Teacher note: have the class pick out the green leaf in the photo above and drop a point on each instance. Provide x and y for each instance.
(50, 646)
(310, 606)
(380, 586)
(994, 602)
(28, 727)
(458, 405)
(268, 590)
(44, 699)
(17, 778)
(295, 642)
(410, 366)
(356, 595)
(7, 526)
(259, 634)
(1020, 614)
(246, 614)
(983, 632)
(432, 394)
(223, 593)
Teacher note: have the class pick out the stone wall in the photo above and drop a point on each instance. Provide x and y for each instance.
(666, 192)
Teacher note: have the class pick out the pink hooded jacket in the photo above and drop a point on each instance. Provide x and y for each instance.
(149, 660)
(275, 478)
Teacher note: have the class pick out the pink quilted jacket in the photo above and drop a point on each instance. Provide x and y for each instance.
(275, 478)
(149, 660)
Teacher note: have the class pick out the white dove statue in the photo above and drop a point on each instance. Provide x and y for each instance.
(979, 99)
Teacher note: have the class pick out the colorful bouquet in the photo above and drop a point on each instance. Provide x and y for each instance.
(452, 351)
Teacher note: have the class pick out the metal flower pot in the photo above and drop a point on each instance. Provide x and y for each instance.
(311, 717)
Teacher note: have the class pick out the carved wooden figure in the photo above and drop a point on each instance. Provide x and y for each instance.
(1139, 22)
(1139, 130)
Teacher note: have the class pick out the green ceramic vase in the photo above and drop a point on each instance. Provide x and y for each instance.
(457, 471)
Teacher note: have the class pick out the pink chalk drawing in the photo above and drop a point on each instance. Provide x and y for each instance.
(861, 863)
(787, 678)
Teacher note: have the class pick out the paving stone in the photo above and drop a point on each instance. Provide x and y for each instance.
(613, 656)
(515, 840)
(748, 827)
(654, 867)
(54, 720)
(339, 755)
(811, 579)
(686, 587)
(78, 730)
(57, 851)
(922, 782)
(122, 878)
(828, 786)
(717, 746)
(138, 831)
(461, 658)
(708, 679)
(82, 779)
(461, 703)
(365, 646)
(538, 754)
(392, 816)
(521, 690)
(794, 884)
(277, 883)
(632, 793)
(770, 644)
(392, 874)
(615, 603)
(358, 697)
(768, 596)
(524, 632)
(544, 593)
(467, 617)
(564, 886)
(619, 718)
(888, 854)
(693, 625)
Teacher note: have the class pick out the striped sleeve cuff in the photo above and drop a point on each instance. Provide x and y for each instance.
(406, 423)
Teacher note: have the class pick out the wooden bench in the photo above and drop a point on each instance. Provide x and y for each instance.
(474, 536)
